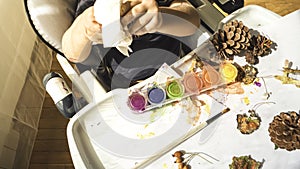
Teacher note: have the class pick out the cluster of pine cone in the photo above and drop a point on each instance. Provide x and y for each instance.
(236, 39)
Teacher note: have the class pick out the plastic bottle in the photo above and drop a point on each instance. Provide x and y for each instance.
(60, 93)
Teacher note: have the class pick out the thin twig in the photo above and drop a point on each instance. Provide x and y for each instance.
(267, 92)
(256, 106)
(193, 154)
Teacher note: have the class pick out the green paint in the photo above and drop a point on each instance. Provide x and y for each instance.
(175, 90)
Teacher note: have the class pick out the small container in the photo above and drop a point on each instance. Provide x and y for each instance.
(210, 76)
(174, 89)
(156, 95)
(192, 83)
(137, 101)
(228, 72)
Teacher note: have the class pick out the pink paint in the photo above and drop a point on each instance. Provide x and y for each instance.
(137, 101)
(192, 83)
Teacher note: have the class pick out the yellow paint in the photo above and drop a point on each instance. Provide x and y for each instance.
(146, 125)
(145, 136)
(228, 71)
(246, 100)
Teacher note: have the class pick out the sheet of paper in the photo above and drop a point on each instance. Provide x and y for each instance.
(285, 32)
(108, 14)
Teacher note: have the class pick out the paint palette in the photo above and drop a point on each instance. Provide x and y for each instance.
(154, 95)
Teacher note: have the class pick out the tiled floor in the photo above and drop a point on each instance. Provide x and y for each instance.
(51, 148)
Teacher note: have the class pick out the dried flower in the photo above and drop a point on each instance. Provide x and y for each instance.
(183, 162)
(247, 124)
(287, 70)
(245, 162)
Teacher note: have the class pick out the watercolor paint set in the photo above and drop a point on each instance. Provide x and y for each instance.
(193, 82)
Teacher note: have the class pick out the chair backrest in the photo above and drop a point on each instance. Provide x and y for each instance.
(50, 19)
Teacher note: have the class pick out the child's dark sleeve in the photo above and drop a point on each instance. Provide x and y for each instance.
(164, 2)
(83, 5)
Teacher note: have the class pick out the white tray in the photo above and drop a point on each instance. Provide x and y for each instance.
(226, 141)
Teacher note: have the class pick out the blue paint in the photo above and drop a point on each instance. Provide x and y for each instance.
(156, 95)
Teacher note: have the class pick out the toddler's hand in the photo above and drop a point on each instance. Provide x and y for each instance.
(92, 27)
(144, 17)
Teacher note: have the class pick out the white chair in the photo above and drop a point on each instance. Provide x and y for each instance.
(50, 19)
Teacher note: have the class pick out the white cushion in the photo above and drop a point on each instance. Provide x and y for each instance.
(51, 18)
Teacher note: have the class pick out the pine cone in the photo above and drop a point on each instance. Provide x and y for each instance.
(260, 46)
(230, 40)
(241, 73)
(251, 57)
(284, 130)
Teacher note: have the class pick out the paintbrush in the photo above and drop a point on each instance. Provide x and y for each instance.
(176, 142)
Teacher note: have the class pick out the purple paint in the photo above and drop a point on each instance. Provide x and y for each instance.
(137, 101)
(257, 84)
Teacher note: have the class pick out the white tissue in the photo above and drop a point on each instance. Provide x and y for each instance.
(107, 12)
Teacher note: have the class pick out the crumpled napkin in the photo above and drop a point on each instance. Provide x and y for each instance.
(107, 12)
